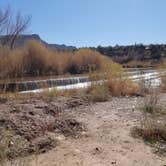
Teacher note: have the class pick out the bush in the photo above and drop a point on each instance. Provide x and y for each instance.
(115, 80)
(11, 64)
(163, 83)
(163, 77)
(152, 124)
(151, 103)
(35, 59)
(85, 60)
(122, 87)
(98, 93)
(151, 132)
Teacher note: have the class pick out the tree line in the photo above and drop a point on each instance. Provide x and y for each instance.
(137, 52)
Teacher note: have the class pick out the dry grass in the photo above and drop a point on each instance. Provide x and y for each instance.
(151, 131)
(152, 124)
(151, 103)
(98, 93)
(10, 147)
(54, 93)
(11, 64)
(37, 60)
(163, 77)
(123, 87)
(138, 64)
(163, 83)
(115, 81)
(85, 60)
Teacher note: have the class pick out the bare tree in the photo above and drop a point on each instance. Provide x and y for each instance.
(11, 26)
(18, 26)
(4, 18)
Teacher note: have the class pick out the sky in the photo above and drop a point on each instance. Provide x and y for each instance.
(85, 23)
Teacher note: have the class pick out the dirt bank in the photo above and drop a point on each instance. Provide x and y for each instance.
(98, 135)
(108, 140)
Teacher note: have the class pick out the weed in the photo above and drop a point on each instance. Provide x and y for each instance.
(151, 103)
(151, 131)
(98, 93)
(122, 87)
(152, 125)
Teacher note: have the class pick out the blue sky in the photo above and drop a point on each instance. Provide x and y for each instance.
(95, 22)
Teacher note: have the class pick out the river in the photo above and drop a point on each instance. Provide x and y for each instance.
(151, 77)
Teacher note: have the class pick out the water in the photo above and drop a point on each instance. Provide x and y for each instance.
(40, 84)
(151, 77)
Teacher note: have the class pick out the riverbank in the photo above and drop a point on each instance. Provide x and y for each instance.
(76, 132)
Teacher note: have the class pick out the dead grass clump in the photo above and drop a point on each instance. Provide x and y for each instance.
(84, 60)
(114, 81)
(163, 77)
(152, 127)
(50, 93)
(151, 104)
(151, 131)
(163, 83)
(122, 87)
(98, 93)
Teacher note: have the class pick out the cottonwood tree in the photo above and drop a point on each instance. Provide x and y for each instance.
(11, 26)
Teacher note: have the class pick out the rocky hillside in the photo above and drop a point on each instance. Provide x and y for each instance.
(22, 39)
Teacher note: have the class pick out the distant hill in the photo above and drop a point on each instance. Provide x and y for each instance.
(152, 53)
(22, 39)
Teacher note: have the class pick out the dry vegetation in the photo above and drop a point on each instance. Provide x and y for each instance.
(162, 66)
(152, 125)
(115, 83)
(139, 64)
(37, 60)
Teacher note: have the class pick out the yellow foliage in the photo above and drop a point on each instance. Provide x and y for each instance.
(122, 87)
(36, 60)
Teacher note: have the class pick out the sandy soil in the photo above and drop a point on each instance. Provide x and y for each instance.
(107, 140)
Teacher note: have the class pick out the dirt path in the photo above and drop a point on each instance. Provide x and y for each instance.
(107, 141)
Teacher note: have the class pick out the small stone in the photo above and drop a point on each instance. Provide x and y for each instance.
(113, 162)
